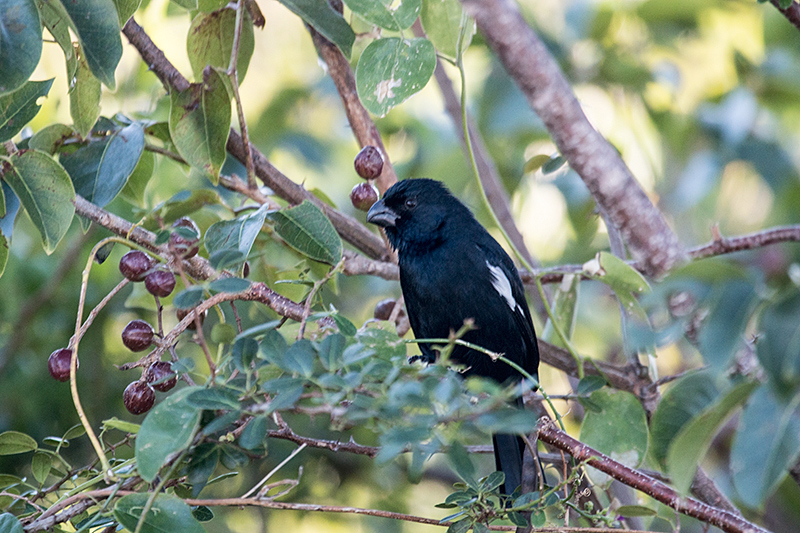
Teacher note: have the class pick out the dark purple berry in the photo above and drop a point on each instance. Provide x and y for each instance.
(137, 335)
(246, 269)
(58, 364)
(369, 163)
(160, 283)
(161, 371)
(363, 196)
(134, 265)
(185, 247)
(138, 397)
(181, 314)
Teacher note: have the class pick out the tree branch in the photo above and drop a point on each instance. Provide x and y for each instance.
(361, 123)
(530, 64)
(792, 13)
(349, 228)
(720, 518)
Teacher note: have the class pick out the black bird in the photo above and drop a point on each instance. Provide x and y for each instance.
(452, 270)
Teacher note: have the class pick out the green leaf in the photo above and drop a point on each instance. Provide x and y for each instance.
(134, 188)
(19, 107)
(214, 399)
(535, 163)
(203, 463)
(731, 305)
(326, 21)
(766, 445)
(167, 429)
(84, 98)
(618, 429)
(11, 209)
(630, 511)
(180, 205)
(210, 42)
(553, 164)
(97, 25)
(626, 282)
(237, 234)
(199, 123)
(188, 298)
(126, 9)
(53, 17)
(462, 464)
(3, 253)
(690, 445)
(10, 524)
(442, 21)
(229, 285)
(300, 357)
(778, 347)
(20, 43)
(391, 70)
(682, 402)
(44, 190)
(589, 384)
(387, 14)
(168, 513)
(331, 350)
(50, 138)
(100, 170)
(344, 325)
(306, 229)
(14, 442)
(254, 434)
(40, 466)
(122, 425)
(223, 334)
(564, 307)
(493, 481)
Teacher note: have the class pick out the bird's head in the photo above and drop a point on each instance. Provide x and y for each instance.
(415, 212)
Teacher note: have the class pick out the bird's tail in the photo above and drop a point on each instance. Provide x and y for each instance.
(508, 450)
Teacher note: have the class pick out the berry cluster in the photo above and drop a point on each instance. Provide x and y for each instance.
(369, 165)
(138, 335)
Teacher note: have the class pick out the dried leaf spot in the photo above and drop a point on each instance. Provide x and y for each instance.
(384, 89)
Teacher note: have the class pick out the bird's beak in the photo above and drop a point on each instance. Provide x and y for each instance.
(380, 215)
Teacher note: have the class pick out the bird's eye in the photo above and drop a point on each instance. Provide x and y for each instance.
(411, 203)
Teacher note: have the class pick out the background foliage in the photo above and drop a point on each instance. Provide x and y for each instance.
(701, 99)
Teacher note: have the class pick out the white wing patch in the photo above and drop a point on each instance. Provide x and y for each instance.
(502, 285)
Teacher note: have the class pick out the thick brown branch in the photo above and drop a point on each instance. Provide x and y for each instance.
(361, 123)
(533, 68)
(350, 229)
(720, 518)
(792, 13)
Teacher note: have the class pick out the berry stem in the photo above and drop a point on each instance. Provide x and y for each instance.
(108, 473)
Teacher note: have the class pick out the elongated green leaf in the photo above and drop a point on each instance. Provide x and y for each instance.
(306, 229)
(100, 170)
(126, 9)
(214, 399)
(84, 98)
(778, 348)
(386, 13)
(44, 190)
(731, 305)
(326, 21)
(626, 282)
(55, 18)
(199, 123)
(97, 25)
(168, 514)
(210, 41)
(20, 42)
(564, 306)
(122, 425)
(168, 429)
(50, 138)
(442, 21)
(14, 442)
(137, 182)
(618, 429)
(11, 208)
(40, 466)
(19, 107)
(766, 445)
(391, 70)
(10, 524)
(237, 234)
(3, 253)
(682, 402)
(690, 445)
